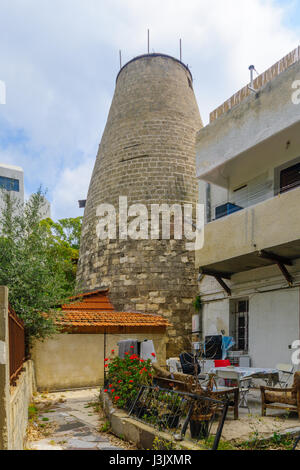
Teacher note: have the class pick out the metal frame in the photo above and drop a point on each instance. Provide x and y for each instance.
(281, 262)
(193, 398)
(219, 277)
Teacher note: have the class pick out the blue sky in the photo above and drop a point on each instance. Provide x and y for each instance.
(59, 60)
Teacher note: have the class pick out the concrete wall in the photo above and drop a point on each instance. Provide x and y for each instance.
(257, 119)
(274, 311)
(20, 398)
(14, 401)
(216, 317)
(4, 370)
(77, 360)
(259, 81)
(254, 228)
(273, 326)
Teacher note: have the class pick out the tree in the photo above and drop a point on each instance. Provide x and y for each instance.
(65, 236)
(35, 264)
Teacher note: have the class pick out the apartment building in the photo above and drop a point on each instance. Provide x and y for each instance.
(12, 179)
(248, 165)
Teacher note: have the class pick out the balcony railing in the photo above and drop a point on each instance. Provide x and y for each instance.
(247, 199)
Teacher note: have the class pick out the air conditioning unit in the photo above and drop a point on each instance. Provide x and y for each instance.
(239, 359)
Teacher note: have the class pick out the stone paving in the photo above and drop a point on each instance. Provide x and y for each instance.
(75, 423)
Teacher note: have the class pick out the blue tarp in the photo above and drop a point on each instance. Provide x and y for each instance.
(227, 343)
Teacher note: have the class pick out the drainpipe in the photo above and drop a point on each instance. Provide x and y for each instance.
(208, 202)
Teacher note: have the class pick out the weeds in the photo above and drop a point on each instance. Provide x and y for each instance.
(105, 427)
(276, 442)
(163, 444)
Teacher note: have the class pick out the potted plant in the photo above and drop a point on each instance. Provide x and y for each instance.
(199, 423)
(202, 412)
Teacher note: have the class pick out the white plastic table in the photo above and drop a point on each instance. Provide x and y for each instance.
(271, 376)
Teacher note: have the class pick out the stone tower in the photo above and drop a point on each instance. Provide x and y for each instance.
(147, 153)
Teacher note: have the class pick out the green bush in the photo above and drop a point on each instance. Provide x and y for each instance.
(125, 376)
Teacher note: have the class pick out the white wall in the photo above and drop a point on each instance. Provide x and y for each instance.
(77, 360)
(216, 317)
(273, 326)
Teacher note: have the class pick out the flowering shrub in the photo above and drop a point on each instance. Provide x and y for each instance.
(125, 376)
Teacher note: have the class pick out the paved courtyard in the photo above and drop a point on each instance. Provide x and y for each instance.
(73, 422)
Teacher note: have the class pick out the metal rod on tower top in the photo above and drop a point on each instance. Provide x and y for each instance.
(120, 56)
(180, 50)
(148, 34)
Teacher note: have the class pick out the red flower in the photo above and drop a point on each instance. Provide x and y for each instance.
(126, 353)
(142, 360)
(119, 381)
(110, 385)
(106, 390)
(134, 356)
(106, 365)
(106, 359)
(131, 347)
(131, 381)
(112, 390)
(112, 350)
(117, 398)
(153, 354)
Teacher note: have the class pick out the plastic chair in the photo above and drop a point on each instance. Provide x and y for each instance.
(222, 363)
(243, 384)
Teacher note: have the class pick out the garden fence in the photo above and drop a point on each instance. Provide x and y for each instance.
(172, 411)
(16, 345)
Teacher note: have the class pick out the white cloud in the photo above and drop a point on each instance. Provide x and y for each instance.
(59, 59)
(70, 188)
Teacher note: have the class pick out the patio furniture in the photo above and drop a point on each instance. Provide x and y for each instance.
(270, 376)
(284, 399)
(231, 393)
(189, 364)
(222, 363)
(285, 373)
(219, 393)
(243, 384)
(173, 364)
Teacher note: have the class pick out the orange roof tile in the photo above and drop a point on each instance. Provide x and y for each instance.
(95, 313)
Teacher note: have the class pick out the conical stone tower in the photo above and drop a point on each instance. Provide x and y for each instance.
(147, 153)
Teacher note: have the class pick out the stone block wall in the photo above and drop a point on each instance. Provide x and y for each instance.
(20, 398)
(14, 401)
(147, 153)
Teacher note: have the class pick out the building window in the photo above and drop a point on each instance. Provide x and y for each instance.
(10, 184)
(290, 178)
(239, 324)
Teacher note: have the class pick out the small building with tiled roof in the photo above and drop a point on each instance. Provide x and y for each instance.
(90, 329)
(93, 313)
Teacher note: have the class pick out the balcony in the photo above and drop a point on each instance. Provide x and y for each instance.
(261, 132)
(232, 243)
(247, 196)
